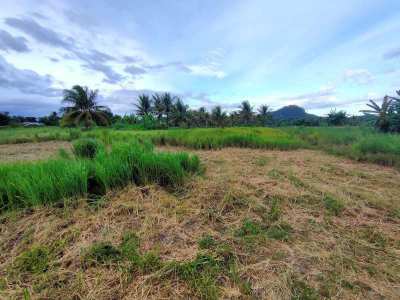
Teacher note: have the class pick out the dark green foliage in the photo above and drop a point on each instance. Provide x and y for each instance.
(87, 148)
(333, 205)
(4, 119)
(35, 260)
(337, 118)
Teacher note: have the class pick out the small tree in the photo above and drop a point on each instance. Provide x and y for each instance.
(218, 116)
(50, 120)
(4, 119)
(246, 112)
(264, 114)
(337, 118)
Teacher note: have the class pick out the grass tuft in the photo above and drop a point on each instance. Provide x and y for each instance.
(101, 253)
(34, 261)
(87, 148)
(333, 206)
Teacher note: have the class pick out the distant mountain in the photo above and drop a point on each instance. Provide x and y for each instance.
(291, 112)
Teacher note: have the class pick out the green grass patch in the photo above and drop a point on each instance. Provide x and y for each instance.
(207, 242)
(87, 148)
(333, 205)
(101, 253)
(27, 184)
(280, 232)
(34, 261)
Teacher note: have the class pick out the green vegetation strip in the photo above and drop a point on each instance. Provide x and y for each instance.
(45, 182)
(357, 143)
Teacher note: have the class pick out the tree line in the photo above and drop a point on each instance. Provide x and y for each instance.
(164, 110)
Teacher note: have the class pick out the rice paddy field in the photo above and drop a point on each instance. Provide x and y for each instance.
(231, 213)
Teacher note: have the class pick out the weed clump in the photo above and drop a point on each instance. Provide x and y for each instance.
(101, 253)
(301, 291)
(34, 261)
(334, 206)
(280, 232)
(207, 242)
(87, 148)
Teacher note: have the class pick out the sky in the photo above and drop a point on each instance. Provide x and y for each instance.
(316, 54)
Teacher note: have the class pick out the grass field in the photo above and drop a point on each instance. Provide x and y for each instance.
(362, 144)
(234, 213)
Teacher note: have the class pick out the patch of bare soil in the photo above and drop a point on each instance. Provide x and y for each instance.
(330, 229)
(31, 151)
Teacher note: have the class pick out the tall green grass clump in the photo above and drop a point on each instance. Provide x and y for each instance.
(86, 148)
(28, 184)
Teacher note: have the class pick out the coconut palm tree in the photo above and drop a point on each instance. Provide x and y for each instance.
(395, 98)
(168, 103)
(143, 105)
(246, 112)
(383, 113)
(218, 116)
(83, 108)
(179, 112)
(158, 106)
(264, 113)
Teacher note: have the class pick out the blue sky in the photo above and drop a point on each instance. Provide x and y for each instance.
(316, 54)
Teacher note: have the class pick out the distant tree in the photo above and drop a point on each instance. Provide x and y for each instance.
(4, 119)
(179, 113)
(395, 113)
(337, 118)
(158, 106)
(50, 120)
(383, 113)
(168, 104)
(218, 116)
(264, 114)
(83, 108)
(246, 112)
(143, 105)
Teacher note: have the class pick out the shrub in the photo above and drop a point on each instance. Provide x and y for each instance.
(34, 261)
(87, 148)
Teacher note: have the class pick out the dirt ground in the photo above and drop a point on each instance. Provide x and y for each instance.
(31, 151)
(347, 253)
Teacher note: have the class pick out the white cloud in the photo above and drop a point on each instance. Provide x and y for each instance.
(358, 76)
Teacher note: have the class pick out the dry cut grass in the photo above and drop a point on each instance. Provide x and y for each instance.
(258, 224)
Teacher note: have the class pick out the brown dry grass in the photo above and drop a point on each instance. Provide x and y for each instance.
(351, 256)
(31, 151)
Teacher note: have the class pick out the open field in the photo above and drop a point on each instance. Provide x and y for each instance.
(31, 151)
(237, 213)
(361, 144)
(257, 224)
